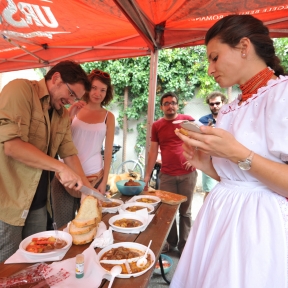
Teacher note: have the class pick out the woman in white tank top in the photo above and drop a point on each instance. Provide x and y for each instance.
(91, 124)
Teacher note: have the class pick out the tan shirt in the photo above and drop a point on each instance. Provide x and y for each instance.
(24, 113)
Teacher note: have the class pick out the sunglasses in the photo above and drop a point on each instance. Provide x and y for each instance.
(169, 103)
(101, 73)
(215, 103)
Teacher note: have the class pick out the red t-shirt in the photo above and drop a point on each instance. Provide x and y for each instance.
(170, 145)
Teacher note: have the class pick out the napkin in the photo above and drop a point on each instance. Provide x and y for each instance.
(104, 239)
(144, 214)
(19, 257)
(110, 209)
(93, 271)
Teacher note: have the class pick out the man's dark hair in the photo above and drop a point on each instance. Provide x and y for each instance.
(71, 73)
(168, 94)
(214, 95)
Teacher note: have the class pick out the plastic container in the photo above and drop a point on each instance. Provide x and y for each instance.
(130, 190)
(167, 264)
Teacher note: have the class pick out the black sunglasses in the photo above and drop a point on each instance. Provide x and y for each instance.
(215, 103)
(101, 73)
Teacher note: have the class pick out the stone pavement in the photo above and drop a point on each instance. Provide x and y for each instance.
(157, 281)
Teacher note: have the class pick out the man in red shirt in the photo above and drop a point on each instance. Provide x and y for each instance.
(174, 177)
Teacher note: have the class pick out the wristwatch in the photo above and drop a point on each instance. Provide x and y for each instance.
(247, 163)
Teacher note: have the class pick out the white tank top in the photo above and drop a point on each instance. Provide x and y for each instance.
(88, 139)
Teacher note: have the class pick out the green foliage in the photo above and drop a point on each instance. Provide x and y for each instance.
(281, 47)
(179, 70)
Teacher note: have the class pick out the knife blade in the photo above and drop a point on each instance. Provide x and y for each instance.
(88, 191)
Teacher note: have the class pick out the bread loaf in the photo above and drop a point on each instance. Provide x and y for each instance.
(81, 239)
(84, 227)
(74, 230)
(89, 213)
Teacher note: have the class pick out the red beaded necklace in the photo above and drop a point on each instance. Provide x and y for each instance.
(252, 85)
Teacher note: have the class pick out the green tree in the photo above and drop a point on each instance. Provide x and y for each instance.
(179, 70)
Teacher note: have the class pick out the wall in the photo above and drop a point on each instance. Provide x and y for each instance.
(26, 74)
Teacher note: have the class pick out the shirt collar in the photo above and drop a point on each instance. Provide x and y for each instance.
(43, 92)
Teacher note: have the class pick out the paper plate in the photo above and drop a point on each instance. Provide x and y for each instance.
(127, 216)
(141, 204)
(148, 198)
(62, 235)
(112, 209)
(132, 245)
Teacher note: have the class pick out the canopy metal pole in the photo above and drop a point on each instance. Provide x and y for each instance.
(151, 99)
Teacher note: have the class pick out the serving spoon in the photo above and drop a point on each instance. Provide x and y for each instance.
(116, 270)
(58, 244)
(142, 261)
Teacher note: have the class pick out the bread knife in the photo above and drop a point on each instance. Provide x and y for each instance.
(90, 192)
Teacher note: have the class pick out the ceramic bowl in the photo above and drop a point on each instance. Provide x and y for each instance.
(130, 190)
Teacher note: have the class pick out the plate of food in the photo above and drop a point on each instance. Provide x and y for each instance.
(112, 206)
(42, 244)
(126, 254)
(153, 200)
(127, 222)
(133, 207)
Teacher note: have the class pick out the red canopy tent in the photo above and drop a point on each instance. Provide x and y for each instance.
(44, 32)
(41, 33)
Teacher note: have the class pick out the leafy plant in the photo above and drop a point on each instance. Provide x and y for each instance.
(181, 70)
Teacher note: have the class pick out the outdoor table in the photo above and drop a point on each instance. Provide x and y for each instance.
(157, 230)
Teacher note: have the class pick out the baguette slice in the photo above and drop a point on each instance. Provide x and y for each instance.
(84, 238)
(89, 213)
(74, 230)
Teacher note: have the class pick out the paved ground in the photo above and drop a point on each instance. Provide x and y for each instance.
(157, 281)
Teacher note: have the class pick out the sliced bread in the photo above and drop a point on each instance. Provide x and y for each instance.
(89, 213)
(74, 230)
(84, 238)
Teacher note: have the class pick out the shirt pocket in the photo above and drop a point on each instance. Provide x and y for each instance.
(59, 137)
(38, 131)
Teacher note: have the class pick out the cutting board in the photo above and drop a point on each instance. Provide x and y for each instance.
(166, 197)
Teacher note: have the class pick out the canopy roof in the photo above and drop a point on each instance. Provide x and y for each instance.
(42, 33)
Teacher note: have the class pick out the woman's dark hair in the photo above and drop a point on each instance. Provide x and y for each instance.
(103, 77)
(71, 73)
(231, 29)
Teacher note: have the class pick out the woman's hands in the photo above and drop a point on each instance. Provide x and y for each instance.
(75, 107)
(102, 187)
(198, 147)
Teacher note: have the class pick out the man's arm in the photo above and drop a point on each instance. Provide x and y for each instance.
(74, 163)
(31, 156)
(152, 157)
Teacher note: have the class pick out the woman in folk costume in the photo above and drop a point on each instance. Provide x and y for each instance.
(239, 239)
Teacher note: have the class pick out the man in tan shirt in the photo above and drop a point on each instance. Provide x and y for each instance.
(34, 126)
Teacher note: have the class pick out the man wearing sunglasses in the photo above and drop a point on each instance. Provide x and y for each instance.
(215, 100)
(174, 177)
(34, 127)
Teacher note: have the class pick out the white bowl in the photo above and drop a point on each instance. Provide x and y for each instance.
(127, 216)
(144, 205)
(132, 245)
(157, 199)
(62, 235)
(107, 209)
